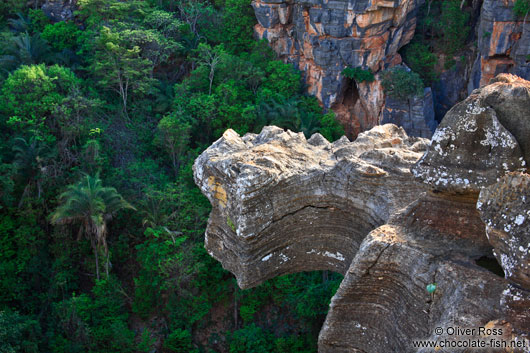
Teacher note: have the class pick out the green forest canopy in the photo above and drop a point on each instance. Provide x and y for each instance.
(101, 225)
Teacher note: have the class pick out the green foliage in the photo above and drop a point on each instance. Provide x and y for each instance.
(90, 205)
(250, 338)
(238, 25)
(9, 8)
(330, 128)
(30, 94)
(95, 323)
(422, 60)
(441, 33)
(174, 136)
(185, 72)
(24, 49)
(158, 257)
(282, 79)
(146, 342)
(358, 74)
(18, 333)
(453, 24)
(401, 84)
(38, 20)
(521, 8)
(120, 67)
(179, 341)
(21, 260)
(61, 35)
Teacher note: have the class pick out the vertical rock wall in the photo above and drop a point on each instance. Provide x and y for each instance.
(322, 37)
(503, 43)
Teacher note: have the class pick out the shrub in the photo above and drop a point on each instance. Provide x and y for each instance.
(358, 74)
(179, 341)
(521, 8)
(401, 84)
(419, 58)
(61, 35)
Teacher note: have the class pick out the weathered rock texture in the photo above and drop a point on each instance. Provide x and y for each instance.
(59, 10)
(503, 41)
(416, 118)
(283, 204)
(478, 140)
(324, 37)
(505, 208)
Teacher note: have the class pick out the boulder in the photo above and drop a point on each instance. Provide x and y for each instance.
(472, 147)
(505, 208)
(59, 10)
(412, 253)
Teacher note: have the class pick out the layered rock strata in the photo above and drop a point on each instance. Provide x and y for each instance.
(503, 43)
(284, 204)
(323, 37)
(440, 238)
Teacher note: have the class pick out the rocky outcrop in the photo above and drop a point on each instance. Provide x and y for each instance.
(323, 37)
(505, 208)
(416, 118)
(283, 204)
(477, 142)
(503, 43)
(59, 10)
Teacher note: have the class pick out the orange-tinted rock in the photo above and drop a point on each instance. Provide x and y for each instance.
(503, 42)
(324, 37)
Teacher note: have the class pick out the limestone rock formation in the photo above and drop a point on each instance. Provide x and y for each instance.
(283, 204)
(503, 41)
(505, 208)
(323, 37)
(472, 146)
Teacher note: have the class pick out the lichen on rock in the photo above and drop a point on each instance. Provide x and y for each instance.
(355, 208)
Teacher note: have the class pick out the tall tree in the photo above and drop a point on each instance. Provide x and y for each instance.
(120, 67)
(91, 205)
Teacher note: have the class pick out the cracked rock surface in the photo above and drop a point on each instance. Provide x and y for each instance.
(480, 139)
(283, 204)
(324, 37)
(505, 208)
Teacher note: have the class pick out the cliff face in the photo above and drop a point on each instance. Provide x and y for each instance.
(323, 37)
(283, 204)
(503, 43)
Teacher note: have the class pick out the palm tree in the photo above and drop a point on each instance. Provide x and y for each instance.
(29, 157)
(24, 49)
(90, 205)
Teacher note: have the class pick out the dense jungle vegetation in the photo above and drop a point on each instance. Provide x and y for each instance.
(101, 225)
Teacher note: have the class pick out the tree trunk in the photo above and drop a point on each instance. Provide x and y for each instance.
(97, 261)
(410, 109)
(325, 276)
(235, 307)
